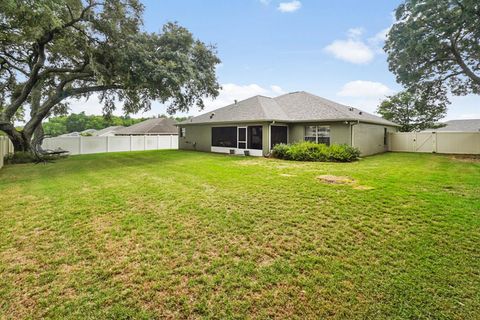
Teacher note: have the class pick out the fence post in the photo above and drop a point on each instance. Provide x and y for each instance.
(171, 141)
(131, 142)
(80, 145)
(158, 142)
(108, 147)
(144, 142)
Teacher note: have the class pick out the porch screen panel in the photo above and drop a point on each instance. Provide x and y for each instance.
(255, 137)
(279, 135)
(224, 137)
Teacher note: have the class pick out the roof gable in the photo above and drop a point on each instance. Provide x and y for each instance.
(291, 107)
(151, 126)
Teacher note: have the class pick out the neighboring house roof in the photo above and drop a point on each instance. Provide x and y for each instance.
(291, 107)
(71, 134)
(150, 127)
(108, 130)
(89, 131)
(468, 125)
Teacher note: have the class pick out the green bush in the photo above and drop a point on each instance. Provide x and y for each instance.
(310, 151)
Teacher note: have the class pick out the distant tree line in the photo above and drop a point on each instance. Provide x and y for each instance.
(77, 122)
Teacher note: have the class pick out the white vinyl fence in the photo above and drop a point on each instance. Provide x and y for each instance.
(435, 142)
(86, 145)
(6, 147)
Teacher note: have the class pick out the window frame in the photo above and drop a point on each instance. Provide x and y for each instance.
(183, 132)
(245, 141)
(234, 145)
(318, 134)
(250, 139)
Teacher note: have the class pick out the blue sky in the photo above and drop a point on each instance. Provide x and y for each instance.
(329, 48)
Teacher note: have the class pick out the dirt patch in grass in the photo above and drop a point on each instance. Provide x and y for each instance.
(467, 158)
(328, 178)
(363, 188)
(287, 175)
(343, 180)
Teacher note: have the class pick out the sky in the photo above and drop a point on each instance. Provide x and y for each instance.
(270, 47)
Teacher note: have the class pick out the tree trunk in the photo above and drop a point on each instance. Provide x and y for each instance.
(37, 139)
(21, 143)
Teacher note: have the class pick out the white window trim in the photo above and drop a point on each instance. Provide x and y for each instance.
(246, 137)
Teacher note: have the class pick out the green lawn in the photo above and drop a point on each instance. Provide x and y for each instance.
(171, 234)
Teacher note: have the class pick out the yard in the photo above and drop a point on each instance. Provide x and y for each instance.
(172, 234)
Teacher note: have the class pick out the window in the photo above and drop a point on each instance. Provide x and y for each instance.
(255, 137)
(384, 136)
(318, 134)
(224, 137)
(242, 138)
(183, 132)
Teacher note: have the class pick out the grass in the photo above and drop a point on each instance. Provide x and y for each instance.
(171, 234)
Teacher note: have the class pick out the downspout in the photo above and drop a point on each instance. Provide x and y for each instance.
(352, 132)
(270, 137)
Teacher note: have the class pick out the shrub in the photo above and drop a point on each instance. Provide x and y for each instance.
(19, 157)
(280, 151)
(310, 151)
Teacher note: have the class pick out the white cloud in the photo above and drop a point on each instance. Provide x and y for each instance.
(356, 50)
(376, 42)
(291, 6)
(277, 90)
(265, 2)
(362, 88)
(355, 32)
(351, 50)
(231, 92)
(365, 95)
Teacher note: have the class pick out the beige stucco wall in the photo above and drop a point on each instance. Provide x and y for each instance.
(339, 132)
(200, 136)
(368, 138)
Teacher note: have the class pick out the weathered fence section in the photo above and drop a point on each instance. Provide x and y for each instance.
(6, 147)
(87, 145)
(435, 142)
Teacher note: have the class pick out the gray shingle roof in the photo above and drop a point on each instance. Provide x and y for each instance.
(111, 129)
(468, 125)
(150, 126)
(291, 107)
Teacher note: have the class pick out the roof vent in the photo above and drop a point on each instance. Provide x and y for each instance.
(351, 108)
(212, 114)
(360, 113)
(236, 101)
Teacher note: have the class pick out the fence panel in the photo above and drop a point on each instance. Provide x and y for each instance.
(6, 147)
(118, 143)
(435, 142)
(88, 145)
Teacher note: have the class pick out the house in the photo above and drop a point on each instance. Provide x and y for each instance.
(109, 131)
(258, 123)
(70, 134)
(87, 132)
(467, 125)
(150, 127)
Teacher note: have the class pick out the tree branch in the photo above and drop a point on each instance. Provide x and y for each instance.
(458, 57)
